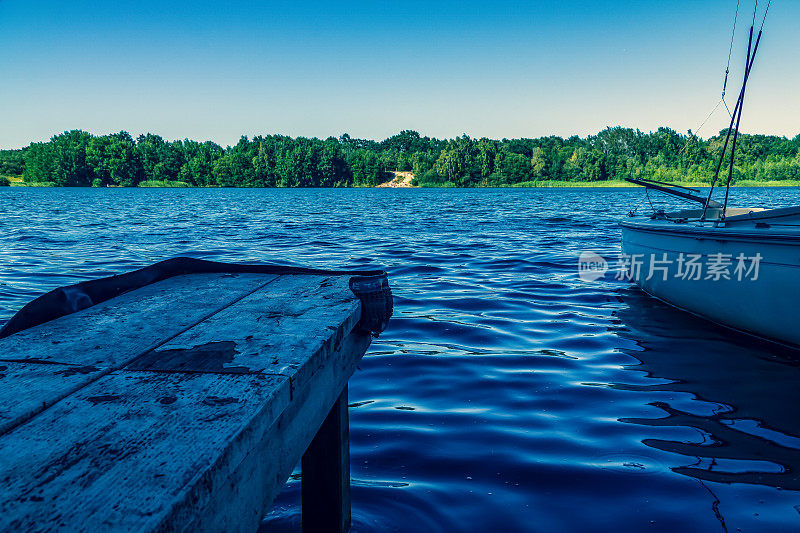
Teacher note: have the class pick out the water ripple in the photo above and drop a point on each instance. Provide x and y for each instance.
(506, 395)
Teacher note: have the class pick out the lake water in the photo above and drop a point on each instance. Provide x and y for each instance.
(506, 394)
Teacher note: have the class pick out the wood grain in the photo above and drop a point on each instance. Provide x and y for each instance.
(93, 342)
(182, 406)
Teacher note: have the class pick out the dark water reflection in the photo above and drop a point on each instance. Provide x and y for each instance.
(506, 395)
(747, 399)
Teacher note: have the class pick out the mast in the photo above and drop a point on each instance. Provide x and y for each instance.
(736, 117)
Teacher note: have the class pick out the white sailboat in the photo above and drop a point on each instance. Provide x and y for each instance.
(743, 273)
(738, 267)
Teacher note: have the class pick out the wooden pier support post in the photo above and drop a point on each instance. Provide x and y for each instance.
(326, 474)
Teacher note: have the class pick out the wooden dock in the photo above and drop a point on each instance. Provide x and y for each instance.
(183, 405)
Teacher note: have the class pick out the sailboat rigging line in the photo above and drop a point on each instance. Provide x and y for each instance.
(766, 11)
(724, 83)
(697, 130)
(730, 126)
(728, 109)
(647, 194)
(741, 96)
(730, 51)
(736, 131)
(706, 120)
(733, 157)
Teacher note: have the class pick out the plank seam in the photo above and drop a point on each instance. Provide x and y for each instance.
(34, 361)
(107, 371)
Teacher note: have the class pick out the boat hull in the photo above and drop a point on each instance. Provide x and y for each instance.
(763, 302)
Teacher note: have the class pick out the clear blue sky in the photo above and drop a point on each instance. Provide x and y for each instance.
(216, 70)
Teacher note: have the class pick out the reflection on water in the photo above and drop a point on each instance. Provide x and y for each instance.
(747, 392)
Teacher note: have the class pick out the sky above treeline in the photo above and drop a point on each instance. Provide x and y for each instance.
(217, 70)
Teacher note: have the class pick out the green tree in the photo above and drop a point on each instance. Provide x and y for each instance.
(114, 160)
(69, 167)
(39, 163)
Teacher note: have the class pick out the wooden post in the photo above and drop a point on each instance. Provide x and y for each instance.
(326, 474)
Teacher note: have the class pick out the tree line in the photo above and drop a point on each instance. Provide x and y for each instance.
(78, 158)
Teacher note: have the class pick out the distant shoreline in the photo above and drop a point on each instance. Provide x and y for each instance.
(403, 181)
(620, 184)
(78, 158)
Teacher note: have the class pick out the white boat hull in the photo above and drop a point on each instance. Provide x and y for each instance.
(765, 305)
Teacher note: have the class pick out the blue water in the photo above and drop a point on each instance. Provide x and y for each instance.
(506, 394)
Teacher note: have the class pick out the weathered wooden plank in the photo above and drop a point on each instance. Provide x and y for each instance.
(110, 333)
(203, 445)
(165, 451)
(54, 359)
(326, 474)
(293, 326)
(134, 450)
(280, 449)
(27, 388)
